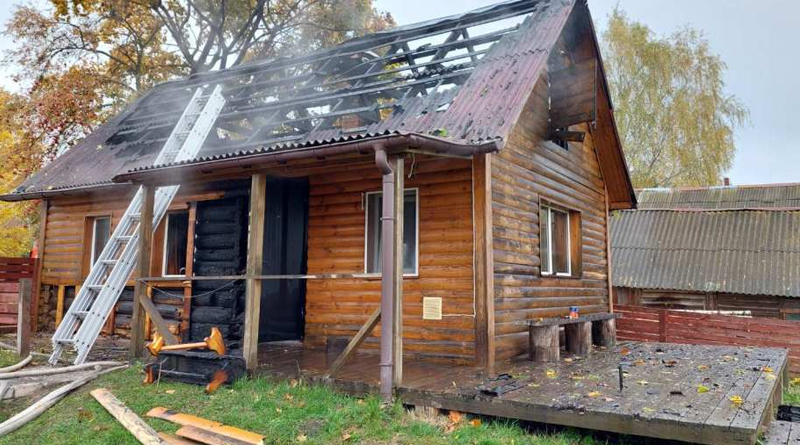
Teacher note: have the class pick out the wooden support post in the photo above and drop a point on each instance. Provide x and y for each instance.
(37, 282)
(609, 266)
(543, 343)
(355, 342)
(187, 286)
(662, 326)
(604, 332)
(398, 163)
(60, 303)
(24, 318)
(143, 269)
(579, 338)
(484, 262)
(255, 259)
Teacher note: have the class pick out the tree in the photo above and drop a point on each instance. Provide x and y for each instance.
(674, 117)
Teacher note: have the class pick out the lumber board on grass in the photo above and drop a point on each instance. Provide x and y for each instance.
(212, 437)
(143, 432)
(169, 439)
(218, 429)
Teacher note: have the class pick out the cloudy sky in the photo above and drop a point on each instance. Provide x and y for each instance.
(756, 38)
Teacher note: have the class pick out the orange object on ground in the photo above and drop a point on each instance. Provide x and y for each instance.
(217, 429)
(213, 342)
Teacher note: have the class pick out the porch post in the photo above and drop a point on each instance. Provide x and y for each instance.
(387, 273)
(399, 211)
(255, 255)
(143, 270)
(484, 262)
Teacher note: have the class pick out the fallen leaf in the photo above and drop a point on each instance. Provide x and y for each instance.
(360, 402)
(639, 362)
(455, 416)
(345, 437)
(670, 363)
(795, 381)
(701, 389)
(534, 385)
(702, 367)
(551, 373)
(766, 369)
(278, 410)
(475, 422)
(567, 360)
(594, 394)
(170, 391)
(302, 438)
(625, 351)
(648, 410)
(288, 396)
(643, 382)
(769, 376)
(292, 383)
(736, 400)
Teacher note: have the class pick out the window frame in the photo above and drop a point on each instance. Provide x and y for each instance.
(92, 259)
(550, 209)
(574, 247)
(413, 274)
(164, 248)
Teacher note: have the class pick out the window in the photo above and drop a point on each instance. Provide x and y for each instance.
(101, 231)
(372, 259)
(175, 240)
(559, 239)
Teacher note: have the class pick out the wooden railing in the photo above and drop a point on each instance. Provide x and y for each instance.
(11, 271)
(670, 326)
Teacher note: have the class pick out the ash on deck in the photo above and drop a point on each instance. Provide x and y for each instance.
(679, 392)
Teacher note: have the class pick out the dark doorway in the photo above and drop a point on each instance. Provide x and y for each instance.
(285, 226)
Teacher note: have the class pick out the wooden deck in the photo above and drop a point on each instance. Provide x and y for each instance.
(661, 397)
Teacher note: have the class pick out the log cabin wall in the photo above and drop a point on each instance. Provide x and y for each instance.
(336, 308)
(527, 171)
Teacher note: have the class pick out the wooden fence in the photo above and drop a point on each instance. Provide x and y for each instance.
(11, 271)
(670, 326)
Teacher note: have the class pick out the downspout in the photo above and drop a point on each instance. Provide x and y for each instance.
(387, 271)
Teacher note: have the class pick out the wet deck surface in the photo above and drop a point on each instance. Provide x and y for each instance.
(678, 392)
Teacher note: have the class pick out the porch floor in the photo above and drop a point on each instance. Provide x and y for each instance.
(664, 393)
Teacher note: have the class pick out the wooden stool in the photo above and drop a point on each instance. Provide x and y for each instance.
(543, 343)
(604, 332)
(579, 333)
(579, 337)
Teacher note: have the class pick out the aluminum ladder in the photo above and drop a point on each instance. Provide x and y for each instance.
(86, 316)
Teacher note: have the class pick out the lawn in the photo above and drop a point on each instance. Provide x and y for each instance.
(286, 412)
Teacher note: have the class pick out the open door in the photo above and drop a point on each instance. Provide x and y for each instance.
(285, 227)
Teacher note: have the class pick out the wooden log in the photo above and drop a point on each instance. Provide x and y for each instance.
(24, 318)
(579, 338)
(543, 343)
(255, 259)
(604, 332)
(143, 432)
(355, 342)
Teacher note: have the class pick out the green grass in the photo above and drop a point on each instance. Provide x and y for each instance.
(791, 395)
(8, 358)
(283, 412)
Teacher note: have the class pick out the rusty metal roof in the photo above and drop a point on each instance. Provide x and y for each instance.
(753, 252)
(761, 196)
(465, 78)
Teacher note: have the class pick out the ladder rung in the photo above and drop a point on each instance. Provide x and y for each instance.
(135, 216)
(65, 341)
(94, 286)
(110, 261)
(124, 238)
(81, 314)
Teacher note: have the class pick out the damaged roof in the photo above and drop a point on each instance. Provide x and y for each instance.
(741, 240)
(463, 78)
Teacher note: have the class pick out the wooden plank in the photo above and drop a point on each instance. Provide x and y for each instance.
(187, 289)
(60, 304)
(143, 267)
(133, 423)
(24, 318)
(484, 262)
(255, 255)
(211, 437)
(398, 163)
(355, 342)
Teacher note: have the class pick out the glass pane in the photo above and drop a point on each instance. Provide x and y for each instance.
(175, 243)
(544, 240)
(560, 239)
(410, 232)
(374, 204)
(102, 231)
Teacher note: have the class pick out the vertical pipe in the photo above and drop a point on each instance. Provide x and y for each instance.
(387, 273)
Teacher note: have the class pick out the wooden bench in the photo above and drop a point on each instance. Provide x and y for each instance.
(579, 334)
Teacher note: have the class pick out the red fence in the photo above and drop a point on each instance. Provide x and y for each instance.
(645, 324)
(11, 271)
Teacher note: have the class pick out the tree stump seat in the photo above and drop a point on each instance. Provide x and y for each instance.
(580, 333)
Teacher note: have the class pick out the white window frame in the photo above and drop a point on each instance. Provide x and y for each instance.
(164, 249)
(549, 233)
(92, 248)
(366, 234)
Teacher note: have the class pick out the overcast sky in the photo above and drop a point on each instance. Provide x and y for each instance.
(756, 38)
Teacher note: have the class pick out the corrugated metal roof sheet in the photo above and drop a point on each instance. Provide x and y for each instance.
(784, 196)
(463, 77)
(747, 251)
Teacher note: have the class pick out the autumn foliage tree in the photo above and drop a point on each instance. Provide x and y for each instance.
(675, 119)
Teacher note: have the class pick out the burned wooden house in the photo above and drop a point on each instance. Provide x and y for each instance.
(729, 249)
(446, 181)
